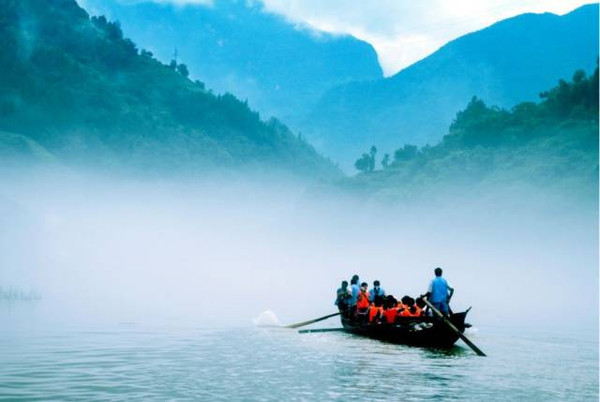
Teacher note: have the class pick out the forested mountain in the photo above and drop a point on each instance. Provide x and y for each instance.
(234, 46)
(551, 144)
(74, 89)
(506, 63)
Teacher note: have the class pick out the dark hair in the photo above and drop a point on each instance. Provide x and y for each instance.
(438, 271)
(376, 283)
(344, 283)
(364, 284)
(354, 279)
(408, 301)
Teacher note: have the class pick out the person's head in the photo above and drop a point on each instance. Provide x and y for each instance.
(420, 302)
(364, 285)
(376, 284)
(438, 271)
(354, 280)
(344, 284)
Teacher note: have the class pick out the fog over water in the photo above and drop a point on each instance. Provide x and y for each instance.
(205, 253)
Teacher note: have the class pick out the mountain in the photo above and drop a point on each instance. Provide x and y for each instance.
(508, 62)
(234, 46)
(73, 89)
(551, 145)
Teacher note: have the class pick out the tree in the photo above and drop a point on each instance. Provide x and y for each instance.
(406, 153)
(363, 164)
(183, 70)
(366, 163)
(173, 65)
(372, 153)
(385, 162)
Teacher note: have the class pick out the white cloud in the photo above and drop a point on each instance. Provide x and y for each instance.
(404, 31)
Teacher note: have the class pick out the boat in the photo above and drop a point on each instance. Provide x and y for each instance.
(430, 332)
(438, 331)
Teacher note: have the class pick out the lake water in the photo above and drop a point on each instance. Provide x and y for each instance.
(130, 361)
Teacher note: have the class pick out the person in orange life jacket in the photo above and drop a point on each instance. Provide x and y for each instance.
(410, 309)
(439, 292)
(390, 309)
(421, 305)
(363, 297)
(376, 293)
(376, 311)
(390, 315)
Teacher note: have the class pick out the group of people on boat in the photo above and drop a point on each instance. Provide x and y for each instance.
(357, 303)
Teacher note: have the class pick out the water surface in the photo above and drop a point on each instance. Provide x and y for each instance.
(156, 362)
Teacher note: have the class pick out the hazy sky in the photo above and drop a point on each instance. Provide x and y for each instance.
(403, 31)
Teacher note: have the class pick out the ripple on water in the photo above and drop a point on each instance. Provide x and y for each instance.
(134, 362)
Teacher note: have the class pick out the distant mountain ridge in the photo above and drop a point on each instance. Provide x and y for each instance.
(234, 46)
(508, 62)
(75, 90)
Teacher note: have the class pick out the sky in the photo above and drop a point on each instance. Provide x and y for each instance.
(401, 31)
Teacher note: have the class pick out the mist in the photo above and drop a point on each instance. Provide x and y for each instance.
(212, 253)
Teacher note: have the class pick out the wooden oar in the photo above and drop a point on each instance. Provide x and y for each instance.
(310, 331)
(304, 323)
(453, 328)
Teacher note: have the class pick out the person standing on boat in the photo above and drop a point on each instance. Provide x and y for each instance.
(343, 297)
(439, 292)
(354, 292)
(363, 298)
(377, 293)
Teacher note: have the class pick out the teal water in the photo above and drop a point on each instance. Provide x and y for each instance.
(145, 362)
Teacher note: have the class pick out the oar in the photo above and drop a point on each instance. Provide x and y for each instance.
(304, 323)
(453, 328)
(310, 331)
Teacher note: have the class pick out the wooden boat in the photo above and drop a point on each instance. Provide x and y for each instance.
(414, 331)
(439, 331)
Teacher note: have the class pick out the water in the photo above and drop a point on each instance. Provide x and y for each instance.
(130, 361)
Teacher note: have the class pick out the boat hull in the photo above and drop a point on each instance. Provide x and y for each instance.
(421, 331)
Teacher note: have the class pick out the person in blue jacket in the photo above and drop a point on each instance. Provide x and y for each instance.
(439, 292)
(354, 292)
(377, 293)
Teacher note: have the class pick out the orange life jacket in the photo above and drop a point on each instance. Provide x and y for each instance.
(407, 312)
(373, 312)
(417, 312)
(363, 300)
(390, 315)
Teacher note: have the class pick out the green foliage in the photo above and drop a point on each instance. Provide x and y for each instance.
(366, 163)
(406, 153)
(552, 143)
(385, 162)
(79, 88)
(183, 70)
(363, 164)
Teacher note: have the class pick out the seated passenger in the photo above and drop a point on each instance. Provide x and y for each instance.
(376, 312)
(421, 306)
(410, 308)
(390, 309)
